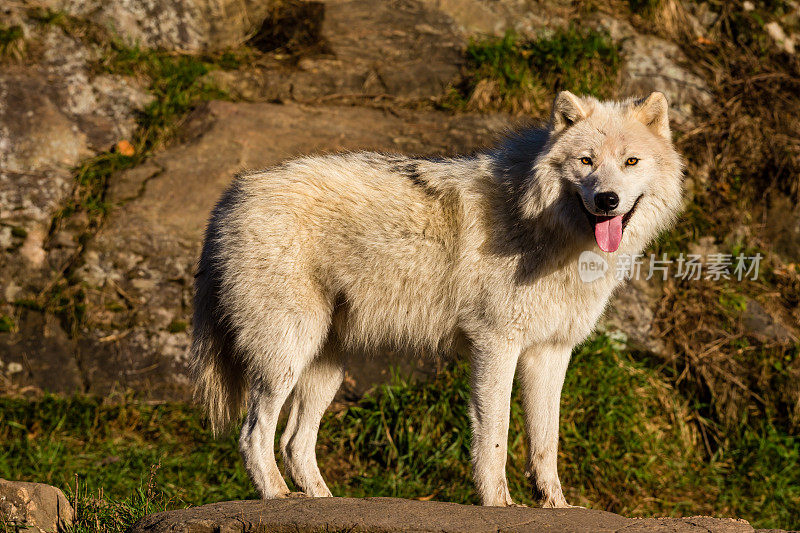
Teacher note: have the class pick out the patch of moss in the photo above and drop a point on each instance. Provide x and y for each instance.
(114, 306)
(177, 84)
(177, 326)
(6, 324)
(12, 42)
(521, 75)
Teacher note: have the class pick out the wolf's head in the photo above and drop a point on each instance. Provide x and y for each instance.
(613, 165)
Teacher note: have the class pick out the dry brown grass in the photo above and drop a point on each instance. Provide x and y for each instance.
(711, 354)
(751, 137)
(743, 161)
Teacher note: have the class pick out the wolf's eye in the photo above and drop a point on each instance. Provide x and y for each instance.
(586, 160)
(631, 161)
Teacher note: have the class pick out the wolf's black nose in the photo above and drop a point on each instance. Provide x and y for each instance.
(606, 201)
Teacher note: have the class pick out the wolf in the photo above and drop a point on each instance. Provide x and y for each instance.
(319, 258)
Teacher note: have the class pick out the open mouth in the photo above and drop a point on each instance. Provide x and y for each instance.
(608, 230)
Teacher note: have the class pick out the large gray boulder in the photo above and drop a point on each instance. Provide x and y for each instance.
(185, 25)
(388, 515)
(34, 507)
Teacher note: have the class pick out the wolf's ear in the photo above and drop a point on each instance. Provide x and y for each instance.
(567, 110)
(653, 112)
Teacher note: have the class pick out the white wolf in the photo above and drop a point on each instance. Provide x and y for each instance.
(311, 260)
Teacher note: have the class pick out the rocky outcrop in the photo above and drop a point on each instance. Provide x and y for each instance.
(56, 110)
(369, 49)
(387, 515)
(655, 64)
(482, 17)
(53, 115)
(34, 507)
(181, 25)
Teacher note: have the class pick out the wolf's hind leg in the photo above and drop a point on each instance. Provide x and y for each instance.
(257, 441)
(541, 373)
(288, 345)
(312, 395)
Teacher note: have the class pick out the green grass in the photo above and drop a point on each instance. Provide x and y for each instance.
(12, 42)
(629, 445)
(518, 74)
(6, 324)
(177, 326)
(175, 81)
(416, 439)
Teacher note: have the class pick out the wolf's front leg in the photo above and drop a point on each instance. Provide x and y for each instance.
(492, 379)
(541, 374)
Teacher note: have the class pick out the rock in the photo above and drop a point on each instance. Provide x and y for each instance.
(103, 106)
(39, 142)
(382, 48)
(783, 227)
(632, 311)
(476, 16)
(41, 353)
(34, 507)
(130, 183)
(55, 111)
(391, 53)
(655, 64)
(185, 25)
(36, 133)
(138, 269)
(53, 115)
(526, 17)
(651, 63)
(783, 41)
(386, 515)
(377, 49)
(762, 324)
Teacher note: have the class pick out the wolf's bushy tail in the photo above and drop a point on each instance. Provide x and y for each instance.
(219, 373)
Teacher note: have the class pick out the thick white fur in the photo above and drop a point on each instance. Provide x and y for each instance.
(307, 261)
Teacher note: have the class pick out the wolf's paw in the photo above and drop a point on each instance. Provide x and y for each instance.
(555, 504)
(512, 504)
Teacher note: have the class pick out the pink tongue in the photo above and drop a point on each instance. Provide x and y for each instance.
(608, 233)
